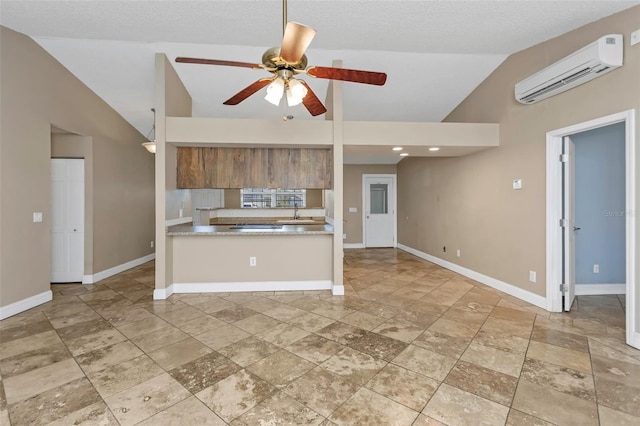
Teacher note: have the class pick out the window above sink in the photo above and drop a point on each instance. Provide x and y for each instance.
(265, 198)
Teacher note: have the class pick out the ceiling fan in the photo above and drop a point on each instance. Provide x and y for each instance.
(286, 62)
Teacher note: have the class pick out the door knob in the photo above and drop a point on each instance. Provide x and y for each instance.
(575, 228)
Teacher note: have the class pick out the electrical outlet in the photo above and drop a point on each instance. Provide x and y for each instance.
(353, 210)
(635, 37)
(532, 276)
(37, 217)
(151, 244)
(253, 261)
(596, 268)
(458, 252)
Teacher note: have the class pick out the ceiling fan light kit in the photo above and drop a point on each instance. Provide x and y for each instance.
(284, 63)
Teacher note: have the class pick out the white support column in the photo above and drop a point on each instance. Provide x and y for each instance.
(335, 96)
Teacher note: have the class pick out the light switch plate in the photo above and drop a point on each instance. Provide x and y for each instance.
(37, 217)
(353, 210)
(517, 184)
(635, 37)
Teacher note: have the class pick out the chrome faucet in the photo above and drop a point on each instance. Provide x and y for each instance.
(296, 216)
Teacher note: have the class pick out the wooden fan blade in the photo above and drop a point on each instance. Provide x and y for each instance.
(297, 38)
(311, 101)
(248, 91)
(356, 76)
(217, 62)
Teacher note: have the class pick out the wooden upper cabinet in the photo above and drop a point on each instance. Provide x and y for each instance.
(288, 168)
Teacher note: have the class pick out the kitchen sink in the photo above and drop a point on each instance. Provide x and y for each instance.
(299, 222)
(257, 226)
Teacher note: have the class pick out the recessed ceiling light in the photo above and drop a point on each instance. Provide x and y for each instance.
(404, 154)
(397, 148)
(434, 148)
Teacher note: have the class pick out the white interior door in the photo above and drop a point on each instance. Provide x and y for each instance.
(67, 220)
(379, 211)
(569, 237)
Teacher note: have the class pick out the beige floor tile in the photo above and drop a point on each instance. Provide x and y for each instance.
(503, 326)
(618, 371)
(505, 342)
(321, 390)
(94, 414)
(377, 345)
(562, 379)
(34, 359)
(233, 314)
(162, 337)
(281, 368)
(109, 355)
(518, 418)
(399, 329)
(284, 313)
(423, 420)
(142, 401)
(54, 403)
(484, 382)
(235, 395)
(559, 356)
(143, 326)
(572, 341)
(176, 354)
(27, 344)
(124, 375)
(311, 322)
(618, 396)
(553, 406)
(222, 336)
(257, 323)
(403, 386)
(180, 316)
(495, 359)
(425, 362)
(609, 417)
(190, 411)
(34, 382)
(353, 365)
(249, 350)
(204, 372)
(91, 342)
(369, 408)
(451, 405)
(277, 409)
(283, 334)
(363, 320)
(442, 343)
(315, 348)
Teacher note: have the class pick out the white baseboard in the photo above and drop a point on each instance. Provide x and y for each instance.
(633, 339)
(600, 289)
(25, 304)
(353, 245)
(178, 221)
(162, 293)
(510, 289)
(90, 279)
(243, 286)
(337, 290)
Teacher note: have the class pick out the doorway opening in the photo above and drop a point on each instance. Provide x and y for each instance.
(379, 225)
(561, 225)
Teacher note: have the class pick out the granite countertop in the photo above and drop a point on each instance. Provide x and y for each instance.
(297, 229)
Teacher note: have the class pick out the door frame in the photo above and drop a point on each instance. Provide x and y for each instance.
(554, 250)
(393, 204)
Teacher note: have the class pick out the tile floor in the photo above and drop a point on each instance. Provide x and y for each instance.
(410, 344)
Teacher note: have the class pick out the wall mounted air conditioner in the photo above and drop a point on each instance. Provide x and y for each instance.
(598, 58)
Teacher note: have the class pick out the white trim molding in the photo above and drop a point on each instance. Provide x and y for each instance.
(600, 289)
(353, 245)
(25, 304)
(337, 289)
(90, 279)
(178, 221)
(554, 214)
(510, 289)
(231, 287)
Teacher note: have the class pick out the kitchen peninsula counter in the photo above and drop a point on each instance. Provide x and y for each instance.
(235, 230)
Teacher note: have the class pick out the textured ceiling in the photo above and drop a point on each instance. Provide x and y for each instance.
(434, 52)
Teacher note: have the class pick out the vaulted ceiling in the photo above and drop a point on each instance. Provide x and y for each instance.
(434, 52)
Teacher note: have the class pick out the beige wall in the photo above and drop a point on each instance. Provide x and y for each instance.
(67, 145)
(214, 259)
(467, 203)
(353, 196)
(37, 92)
